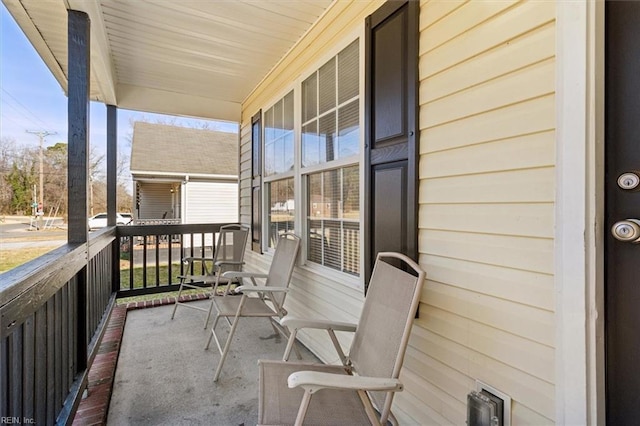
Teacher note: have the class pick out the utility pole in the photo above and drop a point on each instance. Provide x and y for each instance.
(40, 209)
(41, 134)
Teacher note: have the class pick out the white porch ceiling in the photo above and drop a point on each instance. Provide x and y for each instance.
(186, 57)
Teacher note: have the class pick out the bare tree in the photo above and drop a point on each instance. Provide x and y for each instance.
(8, 152)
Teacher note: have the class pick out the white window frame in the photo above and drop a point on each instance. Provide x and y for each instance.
(357, 159)
(299, 173)
(266, 180)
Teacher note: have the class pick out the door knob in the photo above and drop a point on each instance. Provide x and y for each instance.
(627, 230)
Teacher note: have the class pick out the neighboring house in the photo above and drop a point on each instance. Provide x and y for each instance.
(490, 140)
(184, 175)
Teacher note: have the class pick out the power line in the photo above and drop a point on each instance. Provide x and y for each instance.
(24, 107)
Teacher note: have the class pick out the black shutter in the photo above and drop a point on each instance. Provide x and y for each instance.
(256, 182)
(391, 136)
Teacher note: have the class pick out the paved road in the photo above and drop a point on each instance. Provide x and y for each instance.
(15, 232)
(21, 229)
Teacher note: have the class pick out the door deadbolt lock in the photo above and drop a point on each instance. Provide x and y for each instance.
(629, 181)
(627, 231)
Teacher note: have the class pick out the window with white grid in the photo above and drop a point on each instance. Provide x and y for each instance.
(278, 167)
(330, 141)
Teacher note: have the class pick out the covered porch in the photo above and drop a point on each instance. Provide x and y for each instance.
(188, 59)
(450, 131)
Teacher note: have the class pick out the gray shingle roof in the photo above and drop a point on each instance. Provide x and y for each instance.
(182, 150)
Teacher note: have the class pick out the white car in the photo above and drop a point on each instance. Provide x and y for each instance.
(100, 220)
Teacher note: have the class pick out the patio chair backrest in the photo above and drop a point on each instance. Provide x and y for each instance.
(231, 244)
(383, 330)
(281, 269)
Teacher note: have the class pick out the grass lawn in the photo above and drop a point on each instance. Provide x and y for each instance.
(163, 274)
(9, 259)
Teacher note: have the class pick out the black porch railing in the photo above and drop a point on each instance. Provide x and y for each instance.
(150, 256)
(53, 310)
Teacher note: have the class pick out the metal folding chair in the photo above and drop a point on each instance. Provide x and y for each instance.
(361, 390)
(228, 256)
(266, 301)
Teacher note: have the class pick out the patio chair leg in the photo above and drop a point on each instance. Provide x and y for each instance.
(175, 305)
(302, 411)
(206, 321)
(213, 333)
(291, 344)
(225, 351)
(227, 344)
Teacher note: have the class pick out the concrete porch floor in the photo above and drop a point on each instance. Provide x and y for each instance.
(164, 375)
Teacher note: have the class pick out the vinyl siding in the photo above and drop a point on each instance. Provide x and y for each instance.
(155, 200)
(486, 214)
(316, 293)
(486, 206)
(211, 202)
(245, 174)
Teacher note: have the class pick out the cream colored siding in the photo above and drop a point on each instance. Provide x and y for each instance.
(486, 215)
(320, 294)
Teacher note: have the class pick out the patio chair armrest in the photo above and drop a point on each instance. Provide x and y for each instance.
(314, 381)
(299, 323)
(257, 288)
(239, 274)
(228, 262)
(193, 258)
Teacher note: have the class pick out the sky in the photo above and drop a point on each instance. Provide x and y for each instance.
(32, 100)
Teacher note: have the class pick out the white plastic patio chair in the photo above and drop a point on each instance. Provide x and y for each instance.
(266, 301)
(361, 390)
(228, 256)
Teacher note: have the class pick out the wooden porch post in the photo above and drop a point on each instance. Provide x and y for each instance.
(78, 110)
(112, 189)
(78, 167)
(112, 163)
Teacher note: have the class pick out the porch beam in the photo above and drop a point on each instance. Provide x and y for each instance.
(101, 63)
(166, 102)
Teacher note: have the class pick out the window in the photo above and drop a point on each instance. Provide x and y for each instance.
(278, 166)
(322, 172)
(278, 137)
(330, 110)
(330, 132)
(333, 219)
(281, 210)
